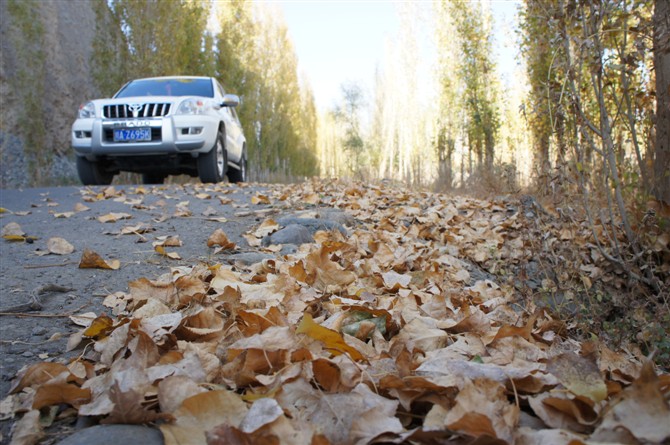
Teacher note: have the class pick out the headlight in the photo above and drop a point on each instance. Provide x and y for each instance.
(87, 111)
(191, 106)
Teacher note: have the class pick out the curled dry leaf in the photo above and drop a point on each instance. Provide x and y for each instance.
(92, 260)
(260, 199)
(59, 246)
(161, 251)
(219, 238)
(12, 229)
(113, 217)
(38, 374)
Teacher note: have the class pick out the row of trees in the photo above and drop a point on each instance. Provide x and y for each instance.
(599, 113)
(250, 54)
(450, 129)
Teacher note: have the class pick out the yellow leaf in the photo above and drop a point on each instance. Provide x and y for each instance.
(172, 255)
(331, 339)
(260, 199)
(100, 327)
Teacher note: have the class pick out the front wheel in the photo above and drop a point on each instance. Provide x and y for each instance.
(239, 175)
(91, 172)
(212, 166)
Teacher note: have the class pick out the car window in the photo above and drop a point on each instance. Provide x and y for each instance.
(167, 87)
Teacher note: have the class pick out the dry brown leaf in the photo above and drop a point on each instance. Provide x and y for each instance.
(642, 409)
(201, 413)
(92, 260)
(28, 430)
(57, 393)
(37, 375)
(114, 217)
(579, 374)
(173, 390)
(219, 238)
(324, 272)
(260, 199)
(482, 408)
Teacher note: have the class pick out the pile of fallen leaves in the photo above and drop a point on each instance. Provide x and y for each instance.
(381, 336)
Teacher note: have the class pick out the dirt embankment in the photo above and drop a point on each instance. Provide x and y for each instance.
(46, 49)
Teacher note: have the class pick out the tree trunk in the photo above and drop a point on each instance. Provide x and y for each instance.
(662, 68)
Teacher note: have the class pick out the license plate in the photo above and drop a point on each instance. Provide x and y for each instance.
(132, 134)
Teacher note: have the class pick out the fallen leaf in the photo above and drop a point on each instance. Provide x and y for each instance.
(260, 199)
(38, 374)
(642, 409)
(59, 246)
(332, 340)
(57, 393)
(580, 375)
(219, 238)
(201, 413)
(172, 255)
(28, 430)
(113, 217)
(91, 260)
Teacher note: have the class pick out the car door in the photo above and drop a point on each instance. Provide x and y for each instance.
(234, 137)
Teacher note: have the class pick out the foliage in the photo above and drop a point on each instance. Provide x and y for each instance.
(28, 83)
(413, 326)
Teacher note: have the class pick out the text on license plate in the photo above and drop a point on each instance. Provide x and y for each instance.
(132, 134)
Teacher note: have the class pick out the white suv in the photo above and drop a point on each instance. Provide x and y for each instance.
(161, 126)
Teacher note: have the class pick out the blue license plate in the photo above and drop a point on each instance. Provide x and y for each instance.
(132, 134)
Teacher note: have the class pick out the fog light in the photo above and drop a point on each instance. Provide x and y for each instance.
(82, 134)
(191, 130)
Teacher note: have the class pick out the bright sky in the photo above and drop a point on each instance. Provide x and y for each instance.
(339, 41)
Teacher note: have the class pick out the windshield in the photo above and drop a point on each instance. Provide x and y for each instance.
(167, 87)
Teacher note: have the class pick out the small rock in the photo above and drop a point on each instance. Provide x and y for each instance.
(28, 354)
(39, 330)
(288, 249)
(291, 234)
(313, 224)
(114, 435)
(249, 257)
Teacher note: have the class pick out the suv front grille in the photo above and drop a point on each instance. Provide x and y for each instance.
(135, 110)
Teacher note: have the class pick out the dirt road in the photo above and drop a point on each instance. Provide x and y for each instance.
(192, 213)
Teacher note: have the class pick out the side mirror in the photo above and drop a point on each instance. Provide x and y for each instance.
(230, 100)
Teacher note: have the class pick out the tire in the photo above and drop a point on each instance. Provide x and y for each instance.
(153, 178)
(212, 166)
(239, 175)
(91, 173)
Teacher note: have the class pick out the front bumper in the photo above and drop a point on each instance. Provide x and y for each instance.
(193, 134)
